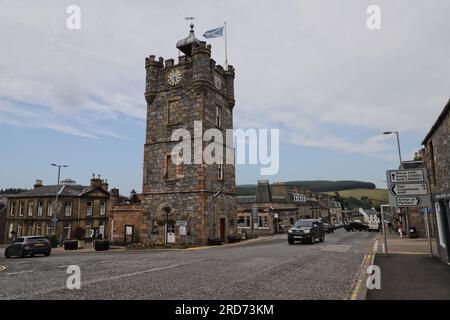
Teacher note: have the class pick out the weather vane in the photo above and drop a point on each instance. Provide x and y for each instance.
(191, 19)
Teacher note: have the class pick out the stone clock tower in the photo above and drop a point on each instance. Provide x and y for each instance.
(197, 201)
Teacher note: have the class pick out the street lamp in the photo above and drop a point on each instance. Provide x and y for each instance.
(398, 145)
(57, 206)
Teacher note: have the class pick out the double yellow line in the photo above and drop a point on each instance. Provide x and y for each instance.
(359, 283)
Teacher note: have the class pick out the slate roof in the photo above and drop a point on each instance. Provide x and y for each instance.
(438, 122)
(50, 191)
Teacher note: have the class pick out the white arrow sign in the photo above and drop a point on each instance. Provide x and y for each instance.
(409, 201)
(409, 189)
(407, 176)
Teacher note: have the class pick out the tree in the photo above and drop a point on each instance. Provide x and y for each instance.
(79, 233)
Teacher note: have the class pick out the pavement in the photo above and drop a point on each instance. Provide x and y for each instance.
(408, 272)
(268, 268)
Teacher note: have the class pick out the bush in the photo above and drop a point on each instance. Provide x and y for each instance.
(53, 240)
(79, 233)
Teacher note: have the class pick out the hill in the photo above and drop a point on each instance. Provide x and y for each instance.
(362, 198)
(315, 186)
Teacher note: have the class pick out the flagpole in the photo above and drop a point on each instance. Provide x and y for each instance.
(226, 49)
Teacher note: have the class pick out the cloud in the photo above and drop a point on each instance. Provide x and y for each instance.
(310, 68)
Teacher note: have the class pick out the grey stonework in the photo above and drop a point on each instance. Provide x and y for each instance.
(190, 192)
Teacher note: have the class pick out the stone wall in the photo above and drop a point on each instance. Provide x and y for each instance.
(127, 215)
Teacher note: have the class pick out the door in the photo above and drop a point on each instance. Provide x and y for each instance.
(222, 229)
(129, 233)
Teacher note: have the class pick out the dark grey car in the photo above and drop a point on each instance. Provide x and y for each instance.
(306, 230)
(29, 246)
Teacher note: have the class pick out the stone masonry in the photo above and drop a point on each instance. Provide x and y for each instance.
(195, 193)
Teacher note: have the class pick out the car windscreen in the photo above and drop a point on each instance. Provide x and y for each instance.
(36, 240)
(300, 224)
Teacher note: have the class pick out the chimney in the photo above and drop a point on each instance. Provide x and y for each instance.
(38, 184)
(115, 196)
(96, 181)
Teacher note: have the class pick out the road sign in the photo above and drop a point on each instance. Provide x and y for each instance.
(406, 176)
(409, 201)
(255, 214)
(408, 188)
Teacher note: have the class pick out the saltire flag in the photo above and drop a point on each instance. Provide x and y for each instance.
(214, 33)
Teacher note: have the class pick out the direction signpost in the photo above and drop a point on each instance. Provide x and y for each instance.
(408, 188)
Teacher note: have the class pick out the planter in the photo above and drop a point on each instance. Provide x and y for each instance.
(101, 245)
(71, 245)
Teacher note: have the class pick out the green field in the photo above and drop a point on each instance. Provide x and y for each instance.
(376, 195)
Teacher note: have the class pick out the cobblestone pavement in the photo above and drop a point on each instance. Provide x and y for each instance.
(267, 269)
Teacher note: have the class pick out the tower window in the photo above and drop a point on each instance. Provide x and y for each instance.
(220, 172)
(218, 116)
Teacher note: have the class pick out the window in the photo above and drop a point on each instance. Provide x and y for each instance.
(244, 221)
(66, 232)
(30, 208)
(231, 223)
(102, 208)
(21, 209)
(19, 230)
(218, 116)
(263, 222)
(171, 169)
(88, 231)
(68, 208)
(49, 208)
(40, 208)
(88, 209)
(38, 230)
(13, 209)
(11, 230)
(170, 228)
(220, 172)
(48, 230)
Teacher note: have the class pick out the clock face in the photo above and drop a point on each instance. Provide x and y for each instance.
(217, 82)
(174, 77)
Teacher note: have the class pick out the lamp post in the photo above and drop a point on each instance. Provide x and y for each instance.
(57, 207)
(398, 145)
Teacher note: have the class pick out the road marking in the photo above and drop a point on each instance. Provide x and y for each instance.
(84, 283)
(2, 268)
(20, 272)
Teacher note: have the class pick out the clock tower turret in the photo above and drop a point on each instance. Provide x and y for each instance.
(199, 195)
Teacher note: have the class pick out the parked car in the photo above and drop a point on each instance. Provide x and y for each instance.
(355, 225)
(306, 230)
(328, 227)
(29, 246)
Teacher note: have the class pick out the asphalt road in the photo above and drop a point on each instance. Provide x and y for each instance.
(266, 269)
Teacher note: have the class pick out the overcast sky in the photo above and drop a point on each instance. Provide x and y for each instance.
(310, 68)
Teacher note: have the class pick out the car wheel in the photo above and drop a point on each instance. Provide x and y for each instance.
(322, 238)
(47, 253)
(7, 254)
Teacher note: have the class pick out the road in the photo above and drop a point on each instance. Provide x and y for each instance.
(265, 269)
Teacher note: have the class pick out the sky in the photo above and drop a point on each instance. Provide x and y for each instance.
(310, 68)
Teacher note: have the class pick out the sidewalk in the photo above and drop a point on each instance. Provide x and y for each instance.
(408, 272)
